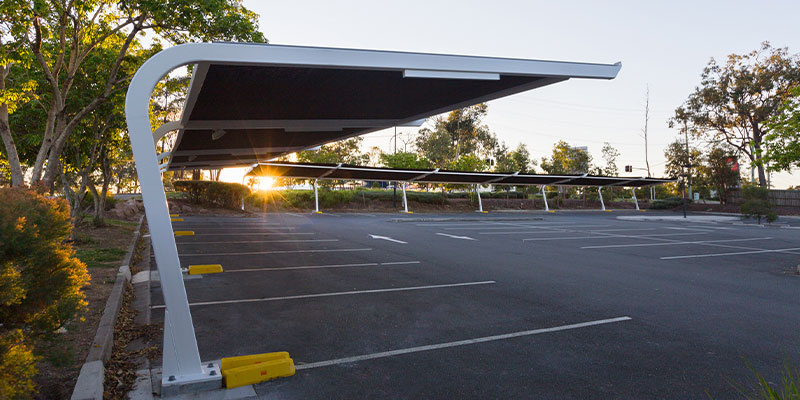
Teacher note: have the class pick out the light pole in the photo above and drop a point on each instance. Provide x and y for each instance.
(394, 187)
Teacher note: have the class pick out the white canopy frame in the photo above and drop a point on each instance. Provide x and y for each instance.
(182, 364)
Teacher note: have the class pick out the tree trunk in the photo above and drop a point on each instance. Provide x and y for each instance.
(17, 178)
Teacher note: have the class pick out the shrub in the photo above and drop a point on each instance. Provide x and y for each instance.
(213, 193)
(756, 203)
(668, 203)
(40, 282)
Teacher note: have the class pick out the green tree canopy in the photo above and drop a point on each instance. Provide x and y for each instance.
(783, 141)
(405, 159)
(566, 159)
(461, 132)
(344, 151)
(64, 39)
(736, 100)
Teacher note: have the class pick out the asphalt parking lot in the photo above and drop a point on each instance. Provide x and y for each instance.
(535, 305)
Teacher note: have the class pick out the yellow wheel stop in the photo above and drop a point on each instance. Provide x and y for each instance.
(205, 269)
(247, 370)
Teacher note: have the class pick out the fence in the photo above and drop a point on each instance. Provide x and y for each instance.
(778, 198)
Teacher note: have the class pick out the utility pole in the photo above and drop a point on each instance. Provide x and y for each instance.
(394, 187)
(688, 167)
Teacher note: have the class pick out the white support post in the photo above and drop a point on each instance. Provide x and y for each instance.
(182, 365)
(316, 199)
(405, 199)
(478, 193)
(636, 202)
(600, 193)
(544, 197)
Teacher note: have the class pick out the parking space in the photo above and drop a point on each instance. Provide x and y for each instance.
(538, 305)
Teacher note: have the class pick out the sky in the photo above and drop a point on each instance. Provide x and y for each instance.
(663, 45)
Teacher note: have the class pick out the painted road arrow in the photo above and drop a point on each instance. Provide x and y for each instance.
(456, 237)
(387, 238)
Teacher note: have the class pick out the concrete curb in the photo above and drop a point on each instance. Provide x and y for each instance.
(92, 375)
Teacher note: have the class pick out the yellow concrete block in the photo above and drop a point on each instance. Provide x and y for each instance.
(485, 212)
(174, 215)
(608, 210)
(317, 212)
(241, 361)
(550, 211)
(184, 233)
(176, 219)
(255, 373)
(205, 269)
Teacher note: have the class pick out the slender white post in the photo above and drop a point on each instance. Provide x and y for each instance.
(480, 205)
(544, 197)
(316, 198)
(633, 190)
(600, 193)
(181, 357)
(405, 199)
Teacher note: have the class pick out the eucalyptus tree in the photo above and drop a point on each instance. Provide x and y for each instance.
(736, 100)
(64, 37)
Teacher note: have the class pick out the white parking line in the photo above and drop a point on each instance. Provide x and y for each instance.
(521, 226)
(518, 232)
(267, 241)
(309, 296)
(612, 237)
(234, 227)
(272, 252)
(623, 230)
(732, 254)
(254, 233)
(456, 237)
(673, 243)
(458, 343)
(322, 266)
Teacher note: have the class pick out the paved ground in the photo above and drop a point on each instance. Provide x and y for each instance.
(534, 305)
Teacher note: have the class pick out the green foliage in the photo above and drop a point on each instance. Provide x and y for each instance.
(304, 199)
(566, 160)
(344, 151)
(789, 388)
(736, 100)
(756, 203)
(40, 282)
(668, 203)
(783, 142)
(213, 193)
(462, 132)
(610, 155)
(515, 160)
(99, 258)
(718, 171)
(405, 159)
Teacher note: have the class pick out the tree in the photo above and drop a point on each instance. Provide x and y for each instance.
(404, 160)
(517, 160)
(735, 101)
(461, 132)
(610, 155)
(64, 37)
(783, 141)
(344, 151)
(678, 158)
(566, 159)
(722, 170)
